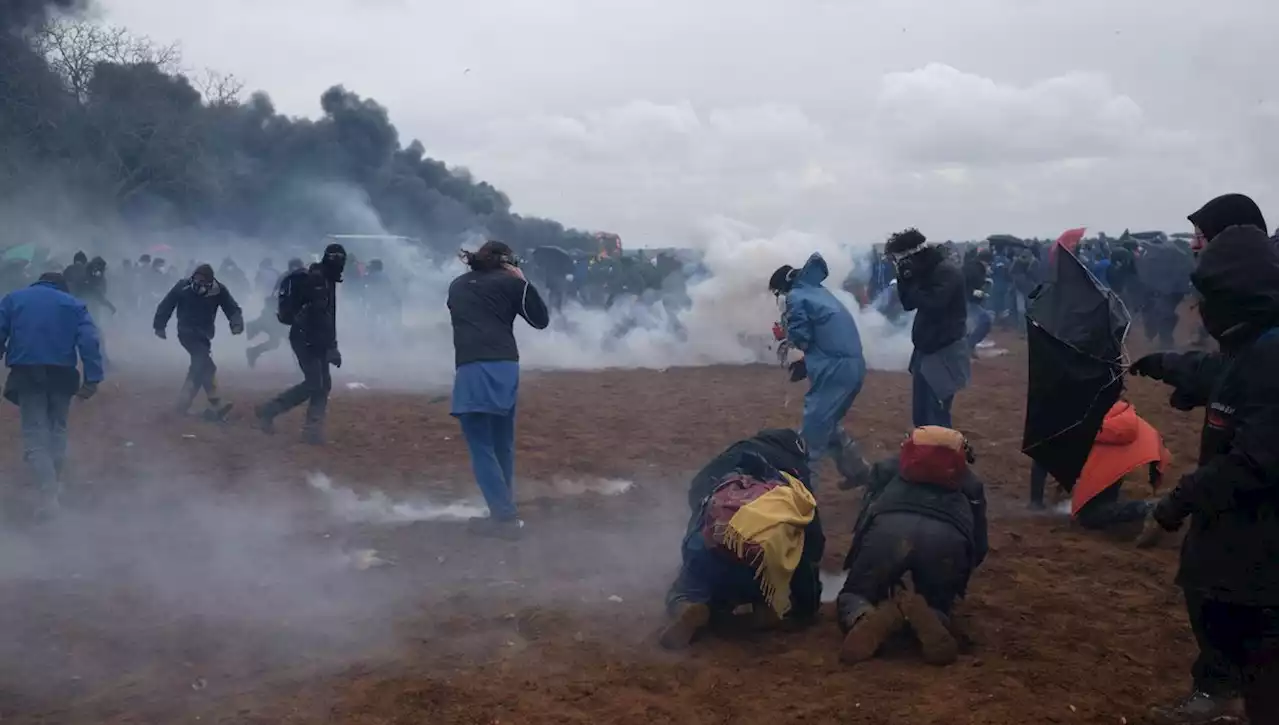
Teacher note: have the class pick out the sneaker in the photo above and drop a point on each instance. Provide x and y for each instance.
(217, 414)
(1198, 707)
(937, 644)
(870, 631)
(1152, 532)
(686, 621)
(506, 529)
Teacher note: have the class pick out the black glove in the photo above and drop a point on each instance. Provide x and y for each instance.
(160, 333)
(799, 371)
(333, 357)
(86, 391)
(1148, 366)
(1168, 514)
(237, 326)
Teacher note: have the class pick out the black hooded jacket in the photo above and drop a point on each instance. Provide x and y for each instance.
(888, 492)
(935, 289)
(1229, 552)
(781, 449)
(196, 311)
(1226, 211)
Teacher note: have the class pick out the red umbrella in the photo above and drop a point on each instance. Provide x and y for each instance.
(157, 248)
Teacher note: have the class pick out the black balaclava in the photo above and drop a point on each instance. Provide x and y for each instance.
(334, 262)
(97, 266)
(1237, 282)
(80, 258)
(782, 279)
(1225, 211)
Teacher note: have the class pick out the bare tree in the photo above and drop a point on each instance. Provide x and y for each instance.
(218, 88)
(74, 48)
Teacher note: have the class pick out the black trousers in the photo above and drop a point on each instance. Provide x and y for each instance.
(313, 390)
(201, 372)
(1104, 510)
(1237, 652)
(934, 552)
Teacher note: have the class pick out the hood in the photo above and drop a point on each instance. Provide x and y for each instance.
(813, 272)
(1120, 427)
(786, 450)
(1226, 211)
(1236, 278)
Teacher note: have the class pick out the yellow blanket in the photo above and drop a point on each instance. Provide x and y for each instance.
(775, 522)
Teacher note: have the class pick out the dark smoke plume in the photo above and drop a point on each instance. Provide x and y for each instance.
(129, 140)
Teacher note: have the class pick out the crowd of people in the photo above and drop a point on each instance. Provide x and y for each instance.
(754, 536)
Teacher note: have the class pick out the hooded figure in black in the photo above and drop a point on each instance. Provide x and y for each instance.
(923, 518)
(308, 303)
(1228, 565)
(266, 323)
(711, 583)
(77, 274)
(197, 300)
(929, 283)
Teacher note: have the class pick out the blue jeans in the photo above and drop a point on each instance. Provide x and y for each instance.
(926, 407)
(491, 440)
(980, 324)
(44, 436)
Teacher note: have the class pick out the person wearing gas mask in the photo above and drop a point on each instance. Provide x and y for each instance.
(266, 323)
(1228, 564)
(308, 302)
(920, 535)
(820, 326)
(934, 287)
(197, 300)
(483, 303)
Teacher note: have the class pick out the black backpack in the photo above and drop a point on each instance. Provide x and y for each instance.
(290, 296)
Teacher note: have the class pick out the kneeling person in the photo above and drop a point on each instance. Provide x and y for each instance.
(753, 537)
(923, 520)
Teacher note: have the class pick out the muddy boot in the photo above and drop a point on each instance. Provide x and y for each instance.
(869, 630)
(1152, 532)
(1198, 707)
(686, 620)
(937, 644)
(265, 419)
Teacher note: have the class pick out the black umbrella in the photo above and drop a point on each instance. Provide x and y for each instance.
(553, 260)
(1075, 345)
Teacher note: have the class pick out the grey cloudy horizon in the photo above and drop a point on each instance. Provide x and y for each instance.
(659, 120)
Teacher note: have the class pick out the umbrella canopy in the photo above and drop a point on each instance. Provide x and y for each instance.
(553, 260)
(24, 252)
(1075, 346)
(159, 249)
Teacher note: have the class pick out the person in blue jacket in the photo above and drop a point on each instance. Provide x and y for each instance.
(821, 327)
(42, 330)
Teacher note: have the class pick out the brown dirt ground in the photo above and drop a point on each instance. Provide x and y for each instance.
(1069, 626)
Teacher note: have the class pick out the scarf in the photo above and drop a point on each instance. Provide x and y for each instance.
(768, 532)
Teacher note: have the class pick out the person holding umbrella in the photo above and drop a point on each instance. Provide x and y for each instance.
(1228, 565)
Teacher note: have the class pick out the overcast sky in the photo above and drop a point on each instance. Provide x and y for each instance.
(850, 118)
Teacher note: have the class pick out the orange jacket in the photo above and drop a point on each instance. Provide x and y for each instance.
(1124, 443)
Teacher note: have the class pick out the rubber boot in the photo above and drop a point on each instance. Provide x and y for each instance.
(937, 644)
(686, 621)
(869, 630)
(1198, 707)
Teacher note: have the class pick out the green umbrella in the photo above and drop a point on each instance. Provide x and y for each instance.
(24, 252)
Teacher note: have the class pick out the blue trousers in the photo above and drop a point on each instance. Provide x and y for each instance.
(833, 387)
(979, 324)
(44, 436)
(926, 407)
(710, 578)
(491, 441)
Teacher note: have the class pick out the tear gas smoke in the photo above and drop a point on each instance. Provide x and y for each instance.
(375, 507)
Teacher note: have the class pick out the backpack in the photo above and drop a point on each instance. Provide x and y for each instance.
(290, 296)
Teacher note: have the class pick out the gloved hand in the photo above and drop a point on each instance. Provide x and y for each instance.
(160, 333)
(86, 391)
(1167, 514)
(1148, 366)
(334, 357)
(237, 326)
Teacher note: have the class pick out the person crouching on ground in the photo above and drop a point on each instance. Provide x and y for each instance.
(42, 329)
(923, 518)
(483, 304)
(932, 286)
(753, 537)
(1228, 565)
(197, 300)
(821, 327)
(1124, 444)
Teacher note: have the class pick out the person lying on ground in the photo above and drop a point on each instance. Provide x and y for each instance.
(920, 535)
(753, 537)
(1125, 443)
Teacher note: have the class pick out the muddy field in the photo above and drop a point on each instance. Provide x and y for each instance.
(202, 574)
